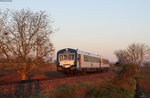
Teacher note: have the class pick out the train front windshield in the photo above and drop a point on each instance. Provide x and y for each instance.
(63, 57)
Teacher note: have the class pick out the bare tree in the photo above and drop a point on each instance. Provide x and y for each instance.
(122, 56)
(4, 17)
(134, 54)
(137, 53)
(26, 39)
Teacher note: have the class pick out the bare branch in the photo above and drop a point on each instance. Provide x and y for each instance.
(25, 38)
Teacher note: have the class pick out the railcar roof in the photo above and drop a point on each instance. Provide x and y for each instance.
(87, 53)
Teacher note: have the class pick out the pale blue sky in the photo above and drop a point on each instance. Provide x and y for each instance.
(97, 26)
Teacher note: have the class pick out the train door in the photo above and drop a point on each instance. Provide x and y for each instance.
(100, 63)
(79, 61)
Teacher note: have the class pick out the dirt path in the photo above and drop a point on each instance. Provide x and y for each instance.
(138, 91)
(143, 87)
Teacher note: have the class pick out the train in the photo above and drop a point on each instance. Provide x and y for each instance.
(73, 61)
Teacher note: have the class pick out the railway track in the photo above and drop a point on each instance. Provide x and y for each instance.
(27, 81)
(36, 86)
(43, 79)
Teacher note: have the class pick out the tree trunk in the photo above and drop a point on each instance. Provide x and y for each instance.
(23, 76)
(139, 69)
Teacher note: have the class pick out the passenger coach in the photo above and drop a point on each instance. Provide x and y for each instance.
(72, 61)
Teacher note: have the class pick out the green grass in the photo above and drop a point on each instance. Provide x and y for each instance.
(63, 92)
(74, 91)
(110, 92)
(92, 90)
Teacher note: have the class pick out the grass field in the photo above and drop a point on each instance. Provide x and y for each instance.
(102, 85)
(102, 88)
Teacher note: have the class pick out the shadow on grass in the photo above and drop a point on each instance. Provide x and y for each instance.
(2, 74)
(24, 89)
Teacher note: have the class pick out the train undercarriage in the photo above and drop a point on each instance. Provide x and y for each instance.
(78, 71)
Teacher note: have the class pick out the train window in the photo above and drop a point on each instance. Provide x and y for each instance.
(105, 61)
(91, 59)
(85, 58)
(97, 60)
(71, 56)
(94, 59)
(66, 57)
(60, 57)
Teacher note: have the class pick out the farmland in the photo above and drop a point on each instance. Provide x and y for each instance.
(95, 85)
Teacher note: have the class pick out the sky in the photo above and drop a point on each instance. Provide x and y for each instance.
(95, 26)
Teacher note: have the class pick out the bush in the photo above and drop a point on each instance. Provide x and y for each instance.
(128, 71)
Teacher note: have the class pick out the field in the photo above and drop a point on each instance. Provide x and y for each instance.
(44, 71)
(97, 85)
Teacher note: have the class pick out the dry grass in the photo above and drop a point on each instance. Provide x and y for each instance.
(43, 71)
(88, 86)
(99, 89)
(79, 90)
